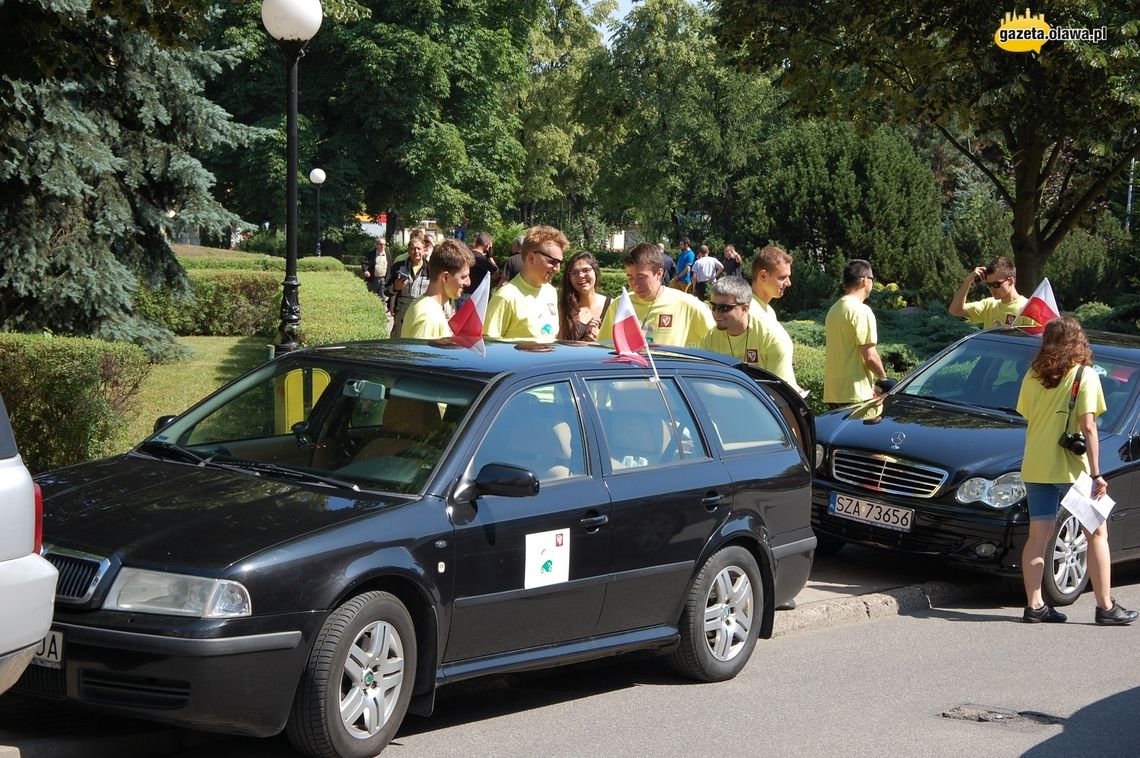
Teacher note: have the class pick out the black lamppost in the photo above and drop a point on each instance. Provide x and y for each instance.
(317, 177)
(292, 23)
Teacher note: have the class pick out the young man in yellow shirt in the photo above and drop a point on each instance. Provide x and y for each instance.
(450, 272)
(851, 362)
(745, 336)
(1005, 305)
(526, 307)
(667, 315)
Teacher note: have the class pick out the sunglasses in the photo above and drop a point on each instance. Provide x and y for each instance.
(582, 272)
(995, 285)
(556, 262)
(725, 307)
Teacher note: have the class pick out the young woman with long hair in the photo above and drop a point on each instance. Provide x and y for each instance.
(581, 307)
(1049, 469)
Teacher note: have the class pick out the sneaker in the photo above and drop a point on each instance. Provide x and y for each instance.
(1046, 614)
(1116, 615)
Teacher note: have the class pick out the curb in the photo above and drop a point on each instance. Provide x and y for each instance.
(900, 601)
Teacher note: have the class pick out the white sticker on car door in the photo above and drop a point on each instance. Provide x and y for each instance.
(547, 558)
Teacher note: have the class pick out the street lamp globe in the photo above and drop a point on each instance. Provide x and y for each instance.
(317, 177)
(291, 20)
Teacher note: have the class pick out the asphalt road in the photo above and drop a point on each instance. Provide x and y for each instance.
(867, 689)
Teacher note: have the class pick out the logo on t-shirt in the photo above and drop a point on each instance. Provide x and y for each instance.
(552, 308)
(1009, 319)
(751, 355)
(665, 320)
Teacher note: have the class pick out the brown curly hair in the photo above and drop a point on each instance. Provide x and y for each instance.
(1063, 346)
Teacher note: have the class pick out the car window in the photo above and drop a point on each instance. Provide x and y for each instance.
(978, 372)
(539, 429)
(1118, 381)
(370, 426)
(645, 423)
(7, 440)
(740, 420)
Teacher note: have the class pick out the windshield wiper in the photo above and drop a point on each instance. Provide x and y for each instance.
(290, 473)
(162, 449)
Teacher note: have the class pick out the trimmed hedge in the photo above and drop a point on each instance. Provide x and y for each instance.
(223, 303)
(68, 397)
(250, 262)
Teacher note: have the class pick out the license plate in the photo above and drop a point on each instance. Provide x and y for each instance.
(50, 651)
(886, 516)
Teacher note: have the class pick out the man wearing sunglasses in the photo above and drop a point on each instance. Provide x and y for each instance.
(1003, 307)
(745, 335)
(526, 307)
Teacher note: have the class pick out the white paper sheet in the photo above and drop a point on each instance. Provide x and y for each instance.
(1079, 502)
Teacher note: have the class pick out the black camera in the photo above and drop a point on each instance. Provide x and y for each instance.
(1074, 442)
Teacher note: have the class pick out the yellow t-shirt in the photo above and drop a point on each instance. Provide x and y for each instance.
(1047, 412)
(850, 325)
(992, 312)
(764, 343)
(675, 318)
(520, 311)
(426, 319)
(763, 310)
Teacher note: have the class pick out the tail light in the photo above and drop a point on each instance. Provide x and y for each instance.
(39, 518)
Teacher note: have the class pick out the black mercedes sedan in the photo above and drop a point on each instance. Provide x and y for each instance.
(320, 544)
(933, 467)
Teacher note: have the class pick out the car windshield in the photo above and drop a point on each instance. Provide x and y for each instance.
(372, 427)
(987, 373)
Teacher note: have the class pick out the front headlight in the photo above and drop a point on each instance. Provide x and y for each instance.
(142, 591)
(1002, 492)
(819, 453)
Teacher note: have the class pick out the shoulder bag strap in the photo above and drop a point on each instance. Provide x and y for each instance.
(1073, 395)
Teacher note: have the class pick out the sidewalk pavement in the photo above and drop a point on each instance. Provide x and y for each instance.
(860, 584)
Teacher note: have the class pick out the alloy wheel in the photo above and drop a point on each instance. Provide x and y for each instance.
(729, 611)
(372, 679)
(1070, 556)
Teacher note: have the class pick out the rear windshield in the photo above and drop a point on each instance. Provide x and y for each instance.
(7, 441)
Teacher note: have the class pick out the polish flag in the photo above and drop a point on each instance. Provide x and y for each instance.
(1041, 307)
(467, 324)
(628, 339)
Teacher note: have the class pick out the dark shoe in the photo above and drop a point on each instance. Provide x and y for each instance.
(788, 606)
(1046, 614)
(1115, 616)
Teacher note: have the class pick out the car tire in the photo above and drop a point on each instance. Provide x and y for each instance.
(364, 656)
(1066, 562)
(721, 619)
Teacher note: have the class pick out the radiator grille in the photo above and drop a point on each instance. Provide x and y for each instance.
(885, 473)
(79, 574)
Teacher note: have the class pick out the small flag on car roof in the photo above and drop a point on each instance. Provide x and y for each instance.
(628, 338)
(467, 323)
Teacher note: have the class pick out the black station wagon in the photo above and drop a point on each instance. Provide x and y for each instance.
(322, 543)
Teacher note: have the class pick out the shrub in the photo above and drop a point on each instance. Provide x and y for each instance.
(268, 243)
(235, 303)
(68, 397)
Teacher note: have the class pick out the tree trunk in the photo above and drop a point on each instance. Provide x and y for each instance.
(1028, 256)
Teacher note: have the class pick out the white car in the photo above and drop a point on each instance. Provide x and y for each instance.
(27, 581)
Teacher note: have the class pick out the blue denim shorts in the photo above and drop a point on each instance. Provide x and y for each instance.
(1044, 499)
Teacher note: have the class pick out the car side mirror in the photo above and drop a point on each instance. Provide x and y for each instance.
(162, 422)
(505, 480)
(301, 433)
(1130, 450)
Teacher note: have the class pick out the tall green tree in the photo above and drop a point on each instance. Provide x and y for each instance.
(1052, 131)
(104, 124)
(679, 126)
(562, 164)
(411, 107)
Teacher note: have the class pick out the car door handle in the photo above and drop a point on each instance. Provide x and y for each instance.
(593, 523)
(712, 500)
